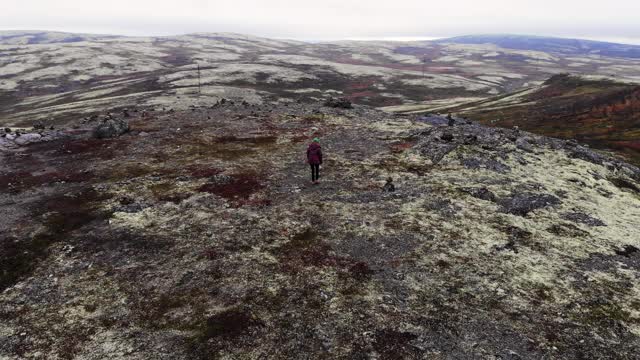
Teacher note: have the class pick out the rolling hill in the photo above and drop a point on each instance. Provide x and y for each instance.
(551, 44)
(58, 77)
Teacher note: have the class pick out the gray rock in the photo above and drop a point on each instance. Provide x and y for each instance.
(523, 204)
(523, 144)
(582, 218)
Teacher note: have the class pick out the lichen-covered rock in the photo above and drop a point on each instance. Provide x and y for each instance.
(583, 218)
(586, 154)
(110, 128)
(38, 125)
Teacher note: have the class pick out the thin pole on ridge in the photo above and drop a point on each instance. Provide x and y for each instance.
(199, 83)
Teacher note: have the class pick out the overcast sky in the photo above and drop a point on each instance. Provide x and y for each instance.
(616, 20)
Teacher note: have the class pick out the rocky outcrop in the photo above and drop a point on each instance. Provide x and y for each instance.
(603, 113)
(26, 139)
(20, 138)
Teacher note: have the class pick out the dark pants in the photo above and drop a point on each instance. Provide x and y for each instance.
(315, 172)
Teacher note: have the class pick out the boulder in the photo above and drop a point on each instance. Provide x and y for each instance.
(29, 138)
(111, 128)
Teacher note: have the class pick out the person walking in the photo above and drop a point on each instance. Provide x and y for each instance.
(314, 158)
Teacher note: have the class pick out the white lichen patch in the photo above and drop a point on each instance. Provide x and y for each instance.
(494, 79)
(228, 73)
(8, 84)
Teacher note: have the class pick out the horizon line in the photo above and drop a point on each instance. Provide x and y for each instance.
(400, 38)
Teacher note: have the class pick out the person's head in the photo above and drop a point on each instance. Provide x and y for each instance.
(316, 140)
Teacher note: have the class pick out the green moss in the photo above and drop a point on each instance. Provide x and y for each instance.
(227, 148)
(602, 314)
(304, 239)
(542, 292)
(129, 171)
(19, 257)
(167, 191)
(229, 324)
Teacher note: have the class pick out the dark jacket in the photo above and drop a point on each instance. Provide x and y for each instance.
(314, 154)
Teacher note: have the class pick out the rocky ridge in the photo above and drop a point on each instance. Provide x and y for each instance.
(196, 234)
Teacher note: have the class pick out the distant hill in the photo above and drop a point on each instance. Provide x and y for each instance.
(60, 77)
(551, 44)
(47, 37)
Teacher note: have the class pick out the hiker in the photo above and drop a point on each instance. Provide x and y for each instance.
(314, 158)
